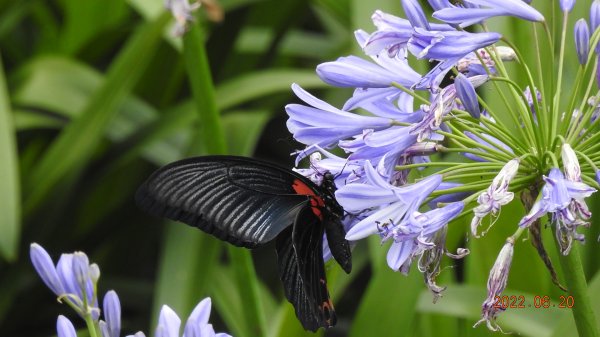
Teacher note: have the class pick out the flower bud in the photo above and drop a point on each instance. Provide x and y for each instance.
(64, 327)
(595, 20)
(467, 95)
(496, 285)
(570, 163)
(112, 313)
(582, 40)
(81, 270)
(45, 268)
(415, 14)
(439, 4)
(566, 5)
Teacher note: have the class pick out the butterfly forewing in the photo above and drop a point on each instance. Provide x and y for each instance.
(245, 202)
(302, 272)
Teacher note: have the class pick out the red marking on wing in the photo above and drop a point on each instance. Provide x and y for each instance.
(327, 306)
(316, 202)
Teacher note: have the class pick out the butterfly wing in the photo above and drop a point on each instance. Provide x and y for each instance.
(244, 201)
(302, 271)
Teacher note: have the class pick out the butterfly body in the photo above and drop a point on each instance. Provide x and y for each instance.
(248, 203)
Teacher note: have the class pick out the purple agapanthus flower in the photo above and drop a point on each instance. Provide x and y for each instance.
(415, 233)
(352, 71)
(323, 124)
(441, 105)
(345, 171)
(374, 145)
(196, 326)
(496, 196)
(448, 47)
(563, 201)
(383, 102)
(479, 10)
(392, 203)
(392, 34)
(442, 45)
(72, 279)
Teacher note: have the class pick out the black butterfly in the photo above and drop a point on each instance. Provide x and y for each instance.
(248, 203)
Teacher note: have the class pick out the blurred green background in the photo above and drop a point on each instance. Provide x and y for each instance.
(96, 94)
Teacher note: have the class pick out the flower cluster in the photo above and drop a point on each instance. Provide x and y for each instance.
(398, 120)
(74, 281)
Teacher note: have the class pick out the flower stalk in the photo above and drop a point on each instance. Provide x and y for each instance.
(585, 318)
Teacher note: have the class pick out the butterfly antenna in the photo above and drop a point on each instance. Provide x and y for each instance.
(342, 170)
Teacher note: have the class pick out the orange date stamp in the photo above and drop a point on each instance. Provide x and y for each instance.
(539, 302)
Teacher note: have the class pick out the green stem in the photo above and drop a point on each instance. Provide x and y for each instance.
(481, 154)
(211, 137)
(549, 36)
(574, 132)
(89, 322)
(209, 130)
(247, 282)
(412, 93)
(509, 107)
(585, 319)
(526, 115)
(556, 105)
(539, 70)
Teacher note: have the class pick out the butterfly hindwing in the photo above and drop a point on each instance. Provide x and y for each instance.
(243, 201)
(302, 271)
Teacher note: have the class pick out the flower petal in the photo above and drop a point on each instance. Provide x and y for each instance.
(112, 313)
(399, 253)
(42, 262)
(168, 323)
(64, 327)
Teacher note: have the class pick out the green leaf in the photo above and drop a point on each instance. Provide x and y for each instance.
(242, 130)
(296, 43)
(337, 8)
(185, 269)
(388, 307)
(246, 281)
(13, 15)
(27, 120)
(76, 144)
(227, 301)
(149, 9)
(465, 302)
(286, 324)
(84, 20)
(44, 85)
(10, 198)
